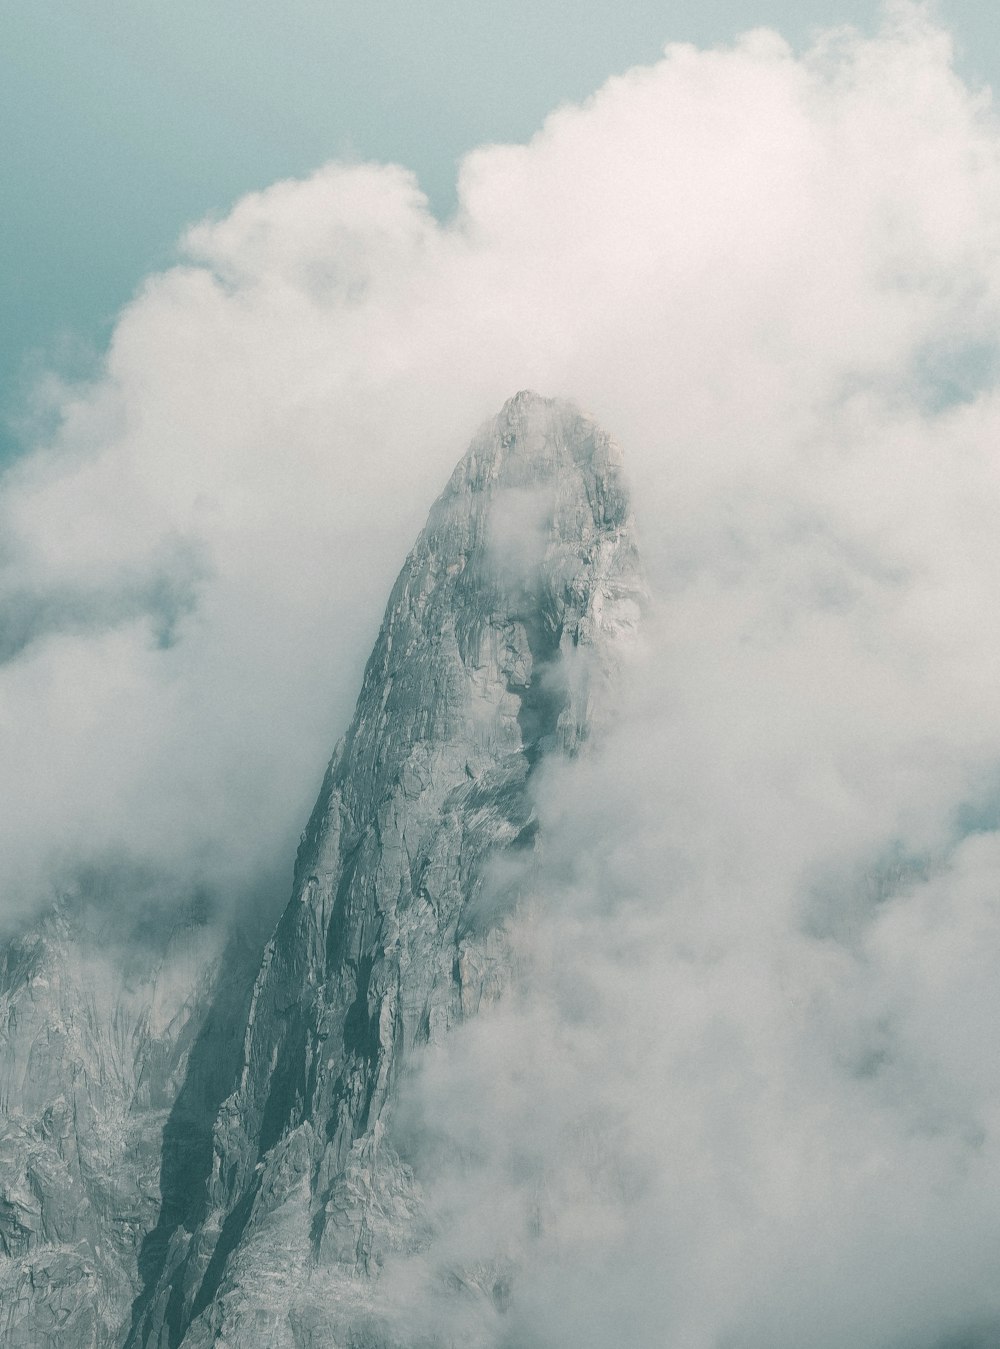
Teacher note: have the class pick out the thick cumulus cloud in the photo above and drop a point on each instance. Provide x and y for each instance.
(699, 1120)
(746, 1095)
(770, 275)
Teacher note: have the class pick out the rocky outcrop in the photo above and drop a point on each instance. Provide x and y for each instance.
(497, 645)
(196, 1147)
(96, 1037)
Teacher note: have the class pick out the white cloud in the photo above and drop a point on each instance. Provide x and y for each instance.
(776, 278)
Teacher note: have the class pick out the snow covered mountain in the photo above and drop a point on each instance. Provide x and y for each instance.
(499, 647)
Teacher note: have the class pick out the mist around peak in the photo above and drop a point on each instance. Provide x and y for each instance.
(747, 1095)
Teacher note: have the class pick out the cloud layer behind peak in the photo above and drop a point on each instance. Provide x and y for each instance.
(753, 1071)
(775, 280)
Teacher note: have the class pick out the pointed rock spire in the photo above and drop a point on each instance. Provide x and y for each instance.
(497, 647)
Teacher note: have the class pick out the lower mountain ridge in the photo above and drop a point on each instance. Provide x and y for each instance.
(202, 1156)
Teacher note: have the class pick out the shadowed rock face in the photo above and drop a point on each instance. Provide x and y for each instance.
(497, 649)
(96, 1035)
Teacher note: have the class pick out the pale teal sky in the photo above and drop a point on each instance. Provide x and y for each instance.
(121, 122)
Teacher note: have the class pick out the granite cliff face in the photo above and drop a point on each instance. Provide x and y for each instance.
(97, 1032)
(498, 647)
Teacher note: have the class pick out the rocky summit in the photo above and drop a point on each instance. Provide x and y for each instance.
(254, 1167)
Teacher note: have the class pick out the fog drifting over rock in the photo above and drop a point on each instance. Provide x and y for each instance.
(763, 955)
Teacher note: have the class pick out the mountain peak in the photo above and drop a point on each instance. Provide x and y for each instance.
(531, 425)
(498, 645)
(541, 473)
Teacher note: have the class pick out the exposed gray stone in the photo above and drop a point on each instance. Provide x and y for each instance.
(94, 1044)
(123, 1220)
(498, 641)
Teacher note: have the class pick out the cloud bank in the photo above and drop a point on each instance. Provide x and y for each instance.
(766, 940)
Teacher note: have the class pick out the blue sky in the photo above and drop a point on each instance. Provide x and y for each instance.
(122, 123)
